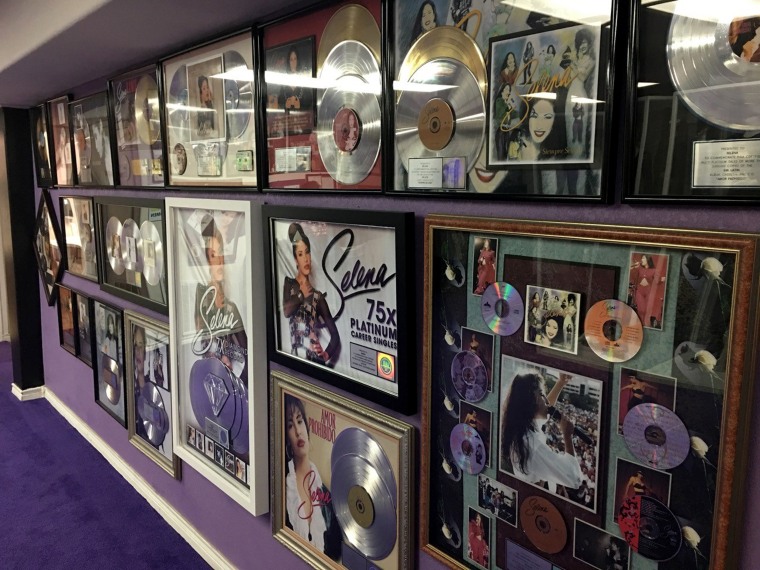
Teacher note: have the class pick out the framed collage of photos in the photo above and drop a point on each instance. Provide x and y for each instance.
(357, 464)
(48, 247)
(84, 327)
(131, 238)
(41, 146)
(108, 361)
(338, 306)
(92, 140)
(62, 146)
(209, 114)
(149, 402)
(581, 381)
(79, 234)
(67, 320)
(218, 396)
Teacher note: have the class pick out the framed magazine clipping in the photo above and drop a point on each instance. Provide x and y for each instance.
(108, 361)
(79, 234)
(48, 247)
(338, 284)
(84, 327)
(529, 115)
(149, 402)
(41, 146)
(137, 128)
(580, 380)
(67, 311)
(209, 114)
(356, 462)
(131, 238)
(218, 392)
(93, 148)
(63, 151)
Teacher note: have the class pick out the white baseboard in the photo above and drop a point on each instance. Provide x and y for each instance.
(5, 337)
(29, 393)
(186, 530)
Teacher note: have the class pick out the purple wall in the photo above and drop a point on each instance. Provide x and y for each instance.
(246, 541)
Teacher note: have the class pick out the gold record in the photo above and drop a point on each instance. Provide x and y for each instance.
(146, 110)
(352, 22)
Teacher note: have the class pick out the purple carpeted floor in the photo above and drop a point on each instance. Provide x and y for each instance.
(63, 506)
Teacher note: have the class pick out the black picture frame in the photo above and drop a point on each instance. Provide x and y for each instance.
(41, 146)
(93, 141)
(62, 148)
(84, 327)
(77, 213)
(67, 320)
(373, 296)
(48, 252)
(108, 361)
(137, 222)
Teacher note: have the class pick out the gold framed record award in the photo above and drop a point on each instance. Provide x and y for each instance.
(583, 384)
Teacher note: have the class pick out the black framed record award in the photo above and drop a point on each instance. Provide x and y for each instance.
(108, 361)
(691, 106)
(67, 311)
(322, 91)
(583, 394)
(41, 146)
(84, 327)
(78, 215)
(90, 129)
(62, 147)
(507, 101)
(48, 246)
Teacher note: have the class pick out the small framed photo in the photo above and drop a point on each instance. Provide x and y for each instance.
(149, 400)
(108, 361)
(92, 140)
(84, 324)
(339, 285)
(41, 146)
(131, 237)
(354, 509)
(63, 152)
(78, 215)
(47, 247)
(67, 319)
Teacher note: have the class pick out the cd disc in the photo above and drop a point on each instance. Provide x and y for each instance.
(113, 245)
(447, 121)
(131, 246)
(650, 528)
(543, 524)
(177, 106)
(356, 441)
(238, 95)
(351, 22)
(714, 66)
(656, 435)
(467, 448)
(469, 375)
(353, 70)
(502, 308)
(613, 330)
(110, 370)
(147, 119)
(152, 253)
(152, 412)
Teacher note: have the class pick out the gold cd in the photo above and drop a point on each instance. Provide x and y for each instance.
(352, 22)
(436, 124)
(613, 330)
(543, 524)
(360, 506)
(146, 110)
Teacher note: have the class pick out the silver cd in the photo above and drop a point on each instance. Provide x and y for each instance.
(152, 253)
(238, 95)
(714, 81)
(459, 90)
(113, 245)
(111, 379)
(131, 246)
(354, 75)
(152, 413)
(356, 441)
(177, 106)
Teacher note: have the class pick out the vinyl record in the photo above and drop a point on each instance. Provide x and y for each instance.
(355, 73)
(351, 22)
(238, 94)
(113, 245)
(147, 119)
(543, 524)
(469, 376)
(714, 64)
(152, 413)
(131, 246)
(152, 253)
(177, 105)
(356, 441)
(468, 449)
(444, 118)
(656, 436)
(613, 330)
(650, 528)
(502, 308)
(111, 380)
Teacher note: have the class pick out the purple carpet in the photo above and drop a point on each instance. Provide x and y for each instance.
(63, 506)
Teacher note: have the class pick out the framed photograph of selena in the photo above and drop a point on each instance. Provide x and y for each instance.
(339, 283)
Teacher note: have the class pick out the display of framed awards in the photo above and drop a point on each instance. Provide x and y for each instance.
(343, 494)
(108, 361)
(92, 140)
(137, 128)
(322, 90)
(508, 101)
(83, 330)
(40, 133)
(131, 237)
(339, 290)
(209, 114)
(79, 234)
(218, 394)
(62, 147)
(149, 391)
(584, 392)
(67, 319)
(47, 246)
(690, 103)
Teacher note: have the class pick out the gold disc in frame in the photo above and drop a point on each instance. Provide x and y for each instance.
(146, 111)
(352, 22)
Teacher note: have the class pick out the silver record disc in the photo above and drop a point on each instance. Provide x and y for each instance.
(459, 89)
(152, 253)
(152, 412)
(238, 95)
(354, 75)
(113, 245)
(131, 246)
(356, 441)
(177, 106)
(714, 81)
(111, 379)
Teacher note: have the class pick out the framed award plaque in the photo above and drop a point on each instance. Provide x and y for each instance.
(108, 361)
(63, 151)
(41, 146)
(84, 327)
(48, 246)
(79, 233)
(92, 140)
(583, 384)
(67, 311)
